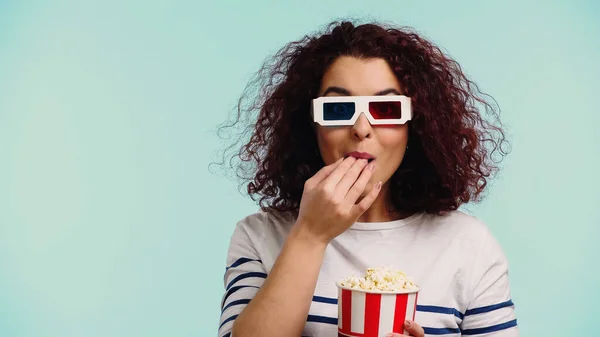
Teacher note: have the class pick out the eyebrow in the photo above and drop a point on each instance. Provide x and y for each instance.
(345, 92)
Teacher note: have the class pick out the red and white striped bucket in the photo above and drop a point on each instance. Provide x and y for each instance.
(364, 313)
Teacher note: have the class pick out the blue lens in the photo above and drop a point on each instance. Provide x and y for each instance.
(338, 111)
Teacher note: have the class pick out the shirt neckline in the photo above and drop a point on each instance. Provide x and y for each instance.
(372, 226)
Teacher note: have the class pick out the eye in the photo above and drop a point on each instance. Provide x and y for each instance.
(385, 109)
(340, 109)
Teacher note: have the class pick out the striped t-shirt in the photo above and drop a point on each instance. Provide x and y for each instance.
(460, 268)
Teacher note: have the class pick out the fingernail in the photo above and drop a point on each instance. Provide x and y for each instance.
(372, 167)
(407, 324)
(378, 186)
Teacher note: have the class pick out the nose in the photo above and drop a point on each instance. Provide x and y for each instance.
(362, 128)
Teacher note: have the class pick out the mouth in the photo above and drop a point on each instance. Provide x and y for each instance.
(360, 155)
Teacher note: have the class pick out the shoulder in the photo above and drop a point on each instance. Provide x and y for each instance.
(260, 237)
(265, 225)
(468, 235)
(456, 223)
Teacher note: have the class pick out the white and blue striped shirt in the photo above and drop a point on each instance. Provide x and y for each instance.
(459, 266)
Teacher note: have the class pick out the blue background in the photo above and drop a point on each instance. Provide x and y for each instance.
(112, 225)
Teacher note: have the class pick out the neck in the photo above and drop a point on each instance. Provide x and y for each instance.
(382, 209)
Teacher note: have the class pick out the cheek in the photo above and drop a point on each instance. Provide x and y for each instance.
(393, 138)
(393, 142)
(328, 141)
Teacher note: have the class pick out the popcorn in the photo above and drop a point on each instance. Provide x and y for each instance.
(381, 279)
(378, 303)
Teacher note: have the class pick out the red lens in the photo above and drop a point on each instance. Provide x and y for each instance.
(385, 110)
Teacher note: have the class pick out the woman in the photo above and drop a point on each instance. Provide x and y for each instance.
(368, 139)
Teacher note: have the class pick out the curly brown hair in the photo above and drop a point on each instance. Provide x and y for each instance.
(451, 144)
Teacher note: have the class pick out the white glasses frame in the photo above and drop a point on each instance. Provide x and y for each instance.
(361, 106)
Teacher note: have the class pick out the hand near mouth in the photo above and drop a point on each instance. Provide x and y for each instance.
(329, 201)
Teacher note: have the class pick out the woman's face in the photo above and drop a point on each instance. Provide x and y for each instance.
(350, 76)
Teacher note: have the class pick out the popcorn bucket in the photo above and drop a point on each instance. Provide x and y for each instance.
(367, 313)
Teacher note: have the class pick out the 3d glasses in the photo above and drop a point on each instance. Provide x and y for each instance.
(344, 110)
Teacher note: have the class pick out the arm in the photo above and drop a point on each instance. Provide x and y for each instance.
(327, 209)
(491, 310)
(281, 306)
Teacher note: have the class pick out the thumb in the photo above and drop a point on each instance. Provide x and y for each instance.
(413, 329)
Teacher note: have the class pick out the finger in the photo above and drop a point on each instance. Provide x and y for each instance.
(394, 334)
(350, 178)
(414, 329)
(367, 201)
(325, 171)
(359, 186)
(338, 173)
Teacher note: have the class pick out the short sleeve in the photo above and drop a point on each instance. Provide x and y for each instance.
(491, 311)
(244, 275)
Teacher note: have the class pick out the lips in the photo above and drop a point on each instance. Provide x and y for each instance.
(360, 155)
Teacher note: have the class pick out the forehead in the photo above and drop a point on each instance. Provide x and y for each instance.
(360, 76)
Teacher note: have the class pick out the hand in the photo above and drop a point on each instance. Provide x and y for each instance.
(328, 205)
(412, 328)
